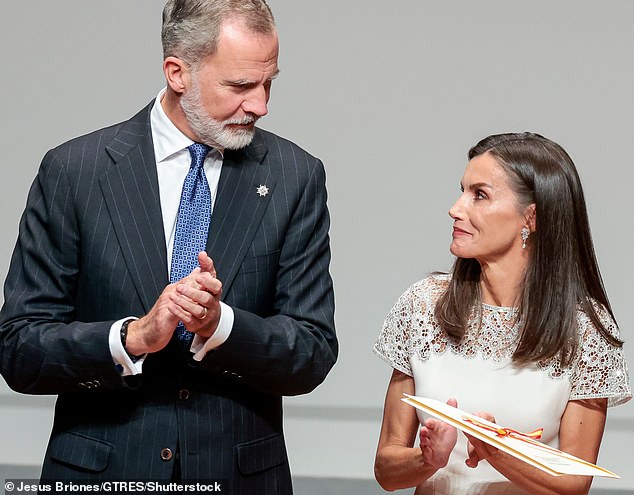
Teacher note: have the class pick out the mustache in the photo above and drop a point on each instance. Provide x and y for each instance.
(247, 119)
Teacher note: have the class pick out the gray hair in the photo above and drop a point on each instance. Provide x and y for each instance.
(191, 28)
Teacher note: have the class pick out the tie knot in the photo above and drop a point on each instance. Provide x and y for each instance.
(198, 151)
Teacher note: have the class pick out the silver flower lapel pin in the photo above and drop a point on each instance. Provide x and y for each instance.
(262, 190)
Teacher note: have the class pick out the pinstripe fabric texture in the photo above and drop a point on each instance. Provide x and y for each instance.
(91, 250)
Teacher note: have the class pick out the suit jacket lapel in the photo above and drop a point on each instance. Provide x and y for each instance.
(244, 191)
(130, 189)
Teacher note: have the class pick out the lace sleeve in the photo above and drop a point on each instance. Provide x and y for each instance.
(393, 343)
(409, 327)
(600, 370)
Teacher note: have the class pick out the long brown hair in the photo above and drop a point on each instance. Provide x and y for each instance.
(562, 273)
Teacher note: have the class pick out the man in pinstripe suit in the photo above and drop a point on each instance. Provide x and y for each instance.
(89, 313)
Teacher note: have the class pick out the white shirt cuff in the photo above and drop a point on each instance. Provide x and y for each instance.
(122, 360)
(201, 346)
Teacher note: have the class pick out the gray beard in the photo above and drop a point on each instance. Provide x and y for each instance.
(210, 131)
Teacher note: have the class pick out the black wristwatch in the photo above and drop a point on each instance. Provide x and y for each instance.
(124, 337)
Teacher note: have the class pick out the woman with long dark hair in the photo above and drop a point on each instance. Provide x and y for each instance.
(521, 331)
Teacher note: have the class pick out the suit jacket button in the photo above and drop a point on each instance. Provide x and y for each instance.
(166, 454)
(183, 394)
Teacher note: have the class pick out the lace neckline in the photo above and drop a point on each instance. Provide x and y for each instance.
(500, 309)
(511, 310)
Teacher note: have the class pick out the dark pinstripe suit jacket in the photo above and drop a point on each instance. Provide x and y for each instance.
(91, 250)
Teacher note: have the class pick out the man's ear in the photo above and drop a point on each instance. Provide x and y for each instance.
(531, 217)
(177, 74)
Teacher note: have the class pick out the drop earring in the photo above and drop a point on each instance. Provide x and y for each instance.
(525, 234)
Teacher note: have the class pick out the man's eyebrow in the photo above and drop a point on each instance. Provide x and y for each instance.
(247, 82)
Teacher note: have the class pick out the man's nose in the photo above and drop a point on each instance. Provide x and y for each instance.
(257, 101)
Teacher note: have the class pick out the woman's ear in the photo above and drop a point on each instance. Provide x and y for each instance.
(531, 217)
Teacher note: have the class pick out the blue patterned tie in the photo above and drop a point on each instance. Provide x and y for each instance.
(192, 225)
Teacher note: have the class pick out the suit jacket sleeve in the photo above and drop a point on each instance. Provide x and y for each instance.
(291, 350)
(43, 348)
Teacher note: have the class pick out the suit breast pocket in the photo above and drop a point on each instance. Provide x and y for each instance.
(262, 263)
(255, 282)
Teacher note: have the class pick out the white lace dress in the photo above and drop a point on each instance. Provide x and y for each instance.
(479, 373)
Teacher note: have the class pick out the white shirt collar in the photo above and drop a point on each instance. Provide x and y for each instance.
(166, 137)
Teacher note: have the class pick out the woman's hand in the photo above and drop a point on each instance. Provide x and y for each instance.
(478, 450)
(437, 440)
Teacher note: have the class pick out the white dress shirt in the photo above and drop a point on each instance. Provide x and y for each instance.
(172, 165)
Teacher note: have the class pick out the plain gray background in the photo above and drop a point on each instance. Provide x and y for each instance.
(390, 95)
